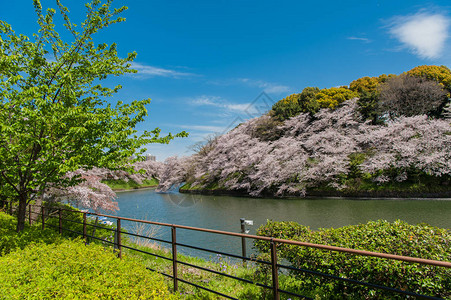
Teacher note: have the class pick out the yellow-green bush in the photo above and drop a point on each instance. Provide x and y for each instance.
(368, 84)
(330, 98)
(71, 270)
(11, 240)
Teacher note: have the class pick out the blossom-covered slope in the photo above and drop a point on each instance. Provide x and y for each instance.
(334, 150)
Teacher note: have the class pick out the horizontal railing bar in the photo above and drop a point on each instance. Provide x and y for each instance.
(145, 252)
(162, 273)
(207, 289)
(225, 254)
(101, 227)
(79, 233)
(100, 239)
(224, 274)
(367, 284)
(214, 251)
(73, 221)
(68, 220)
(146, 237)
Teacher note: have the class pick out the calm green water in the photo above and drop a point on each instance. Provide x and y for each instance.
(224, 213)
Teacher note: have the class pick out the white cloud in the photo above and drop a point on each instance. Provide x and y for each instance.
(155, 71)
(268, 87)
(206, 128)
(355, 38)
(219, 102)
(424, 34)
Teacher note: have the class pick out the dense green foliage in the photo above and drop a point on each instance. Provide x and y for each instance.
(71, 270)
(380, 236)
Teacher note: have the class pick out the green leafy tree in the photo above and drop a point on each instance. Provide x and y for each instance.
(295, 104)
(368, 106)
(54, 117)
(368, 84)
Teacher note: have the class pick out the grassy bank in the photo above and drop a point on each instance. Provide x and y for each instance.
(122, 185)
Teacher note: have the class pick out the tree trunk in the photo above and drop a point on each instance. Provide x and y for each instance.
(21, 212)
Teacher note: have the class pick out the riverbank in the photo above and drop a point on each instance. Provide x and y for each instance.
(326, 194)
(125, 186)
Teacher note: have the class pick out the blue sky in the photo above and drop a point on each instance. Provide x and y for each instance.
(208, 65)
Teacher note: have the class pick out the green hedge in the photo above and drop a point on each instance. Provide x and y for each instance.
(71, 270)
(399, 238)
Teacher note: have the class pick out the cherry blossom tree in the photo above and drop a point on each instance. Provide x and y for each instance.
(89, 193)
(316, 151)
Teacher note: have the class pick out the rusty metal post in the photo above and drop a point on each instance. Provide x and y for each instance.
(119, 239)
(243, 239)
(275, 272)
(29, 214)
(84, 228)
(43, 217)
(60, 218)
(174, 259)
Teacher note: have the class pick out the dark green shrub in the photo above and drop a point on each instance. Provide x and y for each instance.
(399, 238)
(71, 270)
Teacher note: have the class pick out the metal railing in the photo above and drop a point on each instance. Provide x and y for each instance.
(274, 263)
